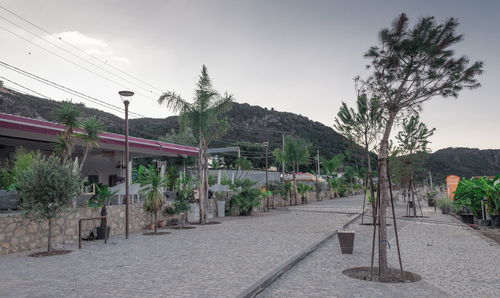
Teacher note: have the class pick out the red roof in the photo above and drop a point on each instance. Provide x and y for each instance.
(50, 128)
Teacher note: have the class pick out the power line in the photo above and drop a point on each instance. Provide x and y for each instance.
(63, 88)
(74, 55)
(76, 48)
(69, 61)
(60, 104)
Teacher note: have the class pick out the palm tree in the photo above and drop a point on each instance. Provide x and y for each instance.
(68, 115)
(331, 166)
(152, 184)
(206, 116)
(296, 152)
(91, 127)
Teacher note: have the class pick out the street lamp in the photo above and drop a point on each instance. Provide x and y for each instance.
(266, 145)
(124, 95)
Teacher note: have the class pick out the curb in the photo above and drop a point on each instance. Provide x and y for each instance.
(272, 276)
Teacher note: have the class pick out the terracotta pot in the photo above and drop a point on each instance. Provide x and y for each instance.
(162, 223)
(346, 240)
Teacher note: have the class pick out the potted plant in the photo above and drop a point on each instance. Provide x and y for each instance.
(346, 240)
(221, 204)
(445, 205)
(303, 189)
(431, 198)
(152, 184)
(246, 197)
(101, 198)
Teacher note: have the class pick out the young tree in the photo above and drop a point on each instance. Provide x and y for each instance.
(413, 139)
(206, 116)
(411, 66)
(46, 188)
(152, 184)
(362, 126)
(92, 127)
(68, 115)
(296, 153)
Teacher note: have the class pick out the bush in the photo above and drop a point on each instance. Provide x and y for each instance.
(46, 187)
(246, 197)
(445, 205)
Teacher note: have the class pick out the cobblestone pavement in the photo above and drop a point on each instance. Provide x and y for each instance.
(209, 261)
(453, 260)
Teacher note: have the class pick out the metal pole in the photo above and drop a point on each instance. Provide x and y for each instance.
(126, 102)
(266, 144)
(283, 150)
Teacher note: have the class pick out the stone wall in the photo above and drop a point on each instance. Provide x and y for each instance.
(18, 233)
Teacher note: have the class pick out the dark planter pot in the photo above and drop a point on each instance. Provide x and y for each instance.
(100, 232)
(445, 210)
(467, 218)
(346, 240)
(495, 220)
(431, 203)
(410, 204)
(485, 222)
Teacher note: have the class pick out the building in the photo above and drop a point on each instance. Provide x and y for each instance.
(105, 164)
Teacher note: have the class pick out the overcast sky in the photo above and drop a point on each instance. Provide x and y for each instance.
(295, 56)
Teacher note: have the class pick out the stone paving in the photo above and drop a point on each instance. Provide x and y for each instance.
(453, 260)
(209, 261)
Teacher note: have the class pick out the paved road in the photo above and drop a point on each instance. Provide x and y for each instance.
(210, 261)
(454, 261)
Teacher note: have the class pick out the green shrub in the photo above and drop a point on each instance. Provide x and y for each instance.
(246, 196)
(445, 205)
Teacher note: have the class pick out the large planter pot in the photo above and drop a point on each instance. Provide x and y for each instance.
(467, 218)
(445, 210)
(100, 232)
(346, 240)
(221, 208)
(495, 220)
(194, 213)
(162, 223)
(432, 203)
(8, 200)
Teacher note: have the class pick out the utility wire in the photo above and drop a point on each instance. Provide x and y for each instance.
(69, 61)
(65, 89)
(60, 104)
(77, 48)
(74, 55)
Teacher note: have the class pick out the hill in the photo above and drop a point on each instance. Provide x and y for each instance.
(254, 124)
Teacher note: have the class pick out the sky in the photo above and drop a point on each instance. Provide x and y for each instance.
(294, 56)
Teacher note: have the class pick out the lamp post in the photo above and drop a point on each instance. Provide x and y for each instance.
(124, 96)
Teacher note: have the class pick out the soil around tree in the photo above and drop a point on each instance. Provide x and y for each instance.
(183, 228)
(153, 233)
(394, 276)
(49, 254)
(207, 223)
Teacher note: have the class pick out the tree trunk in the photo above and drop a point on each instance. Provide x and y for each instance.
(103, 213)
(85, 154)
(49, 242)
(201, 174)
(384, 195)
(294, 185)
(155, 223)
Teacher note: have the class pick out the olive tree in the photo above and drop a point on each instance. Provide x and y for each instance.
(46, 188)
(410, 66)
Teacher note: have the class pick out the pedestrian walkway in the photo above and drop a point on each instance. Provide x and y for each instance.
(453, 260)
(209, 261)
